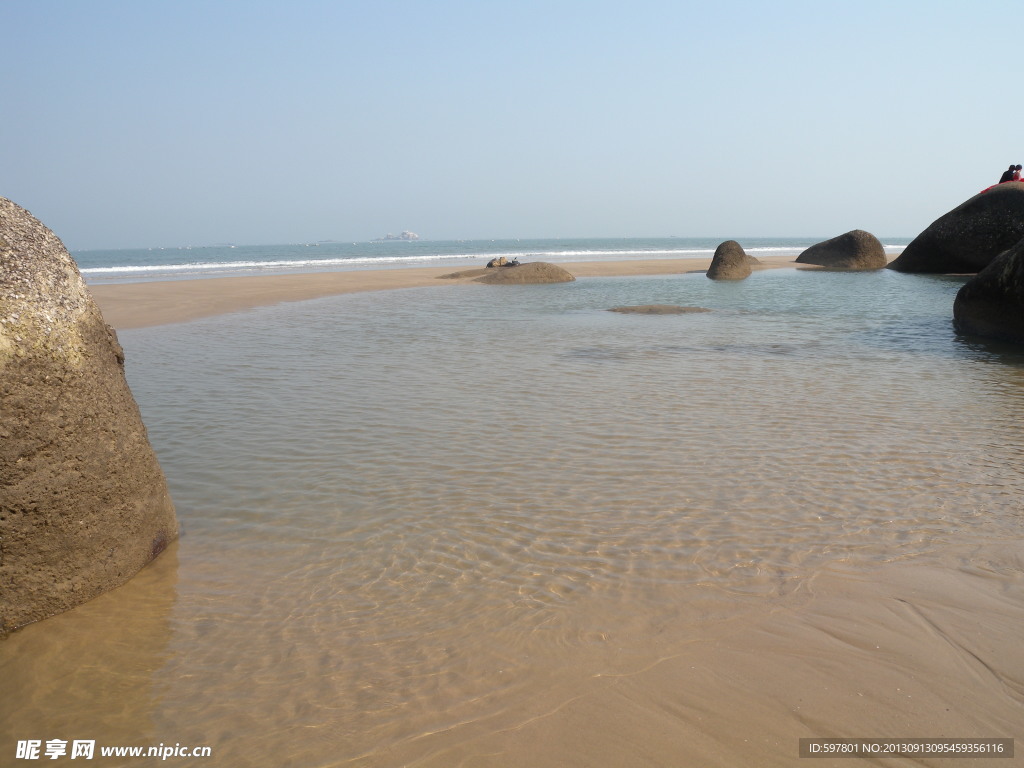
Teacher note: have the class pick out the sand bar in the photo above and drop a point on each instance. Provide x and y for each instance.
(139, 305)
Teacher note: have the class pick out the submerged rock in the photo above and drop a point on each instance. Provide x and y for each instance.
(533, 272)
(658, 309)
(991, 304)
(730, 262)
(83, 502)
(464, 274)
(856, 249)
(970, 236)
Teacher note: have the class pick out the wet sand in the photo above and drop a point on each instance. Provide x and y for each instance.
(901, 651)
(140, 305)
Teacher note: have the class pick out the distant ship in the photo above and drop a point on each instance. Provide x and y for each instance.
(407, 235)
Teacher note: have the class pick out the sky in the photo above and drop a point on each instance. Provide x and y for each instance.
(129, 124)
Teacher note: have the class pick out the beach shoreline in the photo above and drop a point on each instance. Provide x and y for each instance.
(145, 304)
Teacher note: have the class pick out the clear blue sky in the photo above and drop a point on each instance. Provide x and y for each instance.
(136, 124)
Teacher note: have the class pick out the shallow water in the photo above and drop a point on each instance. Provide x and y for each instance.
(434, 515)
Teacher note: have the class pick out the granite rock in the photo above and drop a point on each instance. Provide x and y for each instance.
(83, 502)
(969, 237)
(991, 303)
(731, 262)
(856, 249)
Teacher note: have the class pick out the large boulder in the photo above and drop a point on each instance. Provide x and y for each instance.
(856, 249)
(730, 262)
(966, 239)
(992, 302)
(532, 272)
(83, 502)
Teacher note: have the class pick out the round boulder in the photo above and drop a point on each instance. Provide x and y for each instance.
(991, 303)
(966, 239)
(83, 502)
(856, 249)
(730, 262)
(533, 272)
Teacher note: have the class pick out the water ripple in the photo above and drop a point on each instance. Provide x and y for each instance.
(424, 490)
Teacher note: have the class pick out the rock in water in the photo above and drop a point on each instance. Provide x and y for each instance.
(856, 249)
(991, 304)
(730, 262)
(83, 502)
(967, 238)
(533, 272)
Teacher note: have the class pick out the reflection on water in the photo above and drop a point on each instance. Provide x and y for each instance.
(414, 513)
(91, 673)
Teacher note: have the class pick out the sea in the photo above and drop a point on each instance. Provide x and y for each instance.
(227, 260)
(474, 525)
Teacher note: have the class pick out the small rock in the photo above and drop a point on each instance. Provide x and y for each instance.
(532, 272)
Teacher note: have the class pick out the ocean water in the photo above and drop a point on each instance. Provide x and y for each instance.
(231, 260)
(424, 527)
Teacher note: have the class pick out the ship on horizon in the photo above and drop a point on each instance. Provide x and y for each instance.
(406, 235)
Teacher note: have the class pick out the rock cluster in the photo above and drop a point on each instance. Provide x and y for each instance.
(856, 249)
(83, 502)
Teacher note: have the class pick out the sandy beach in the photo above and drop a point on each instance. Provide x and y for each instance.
(358, 501)
(620, 566)
(140, 305)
